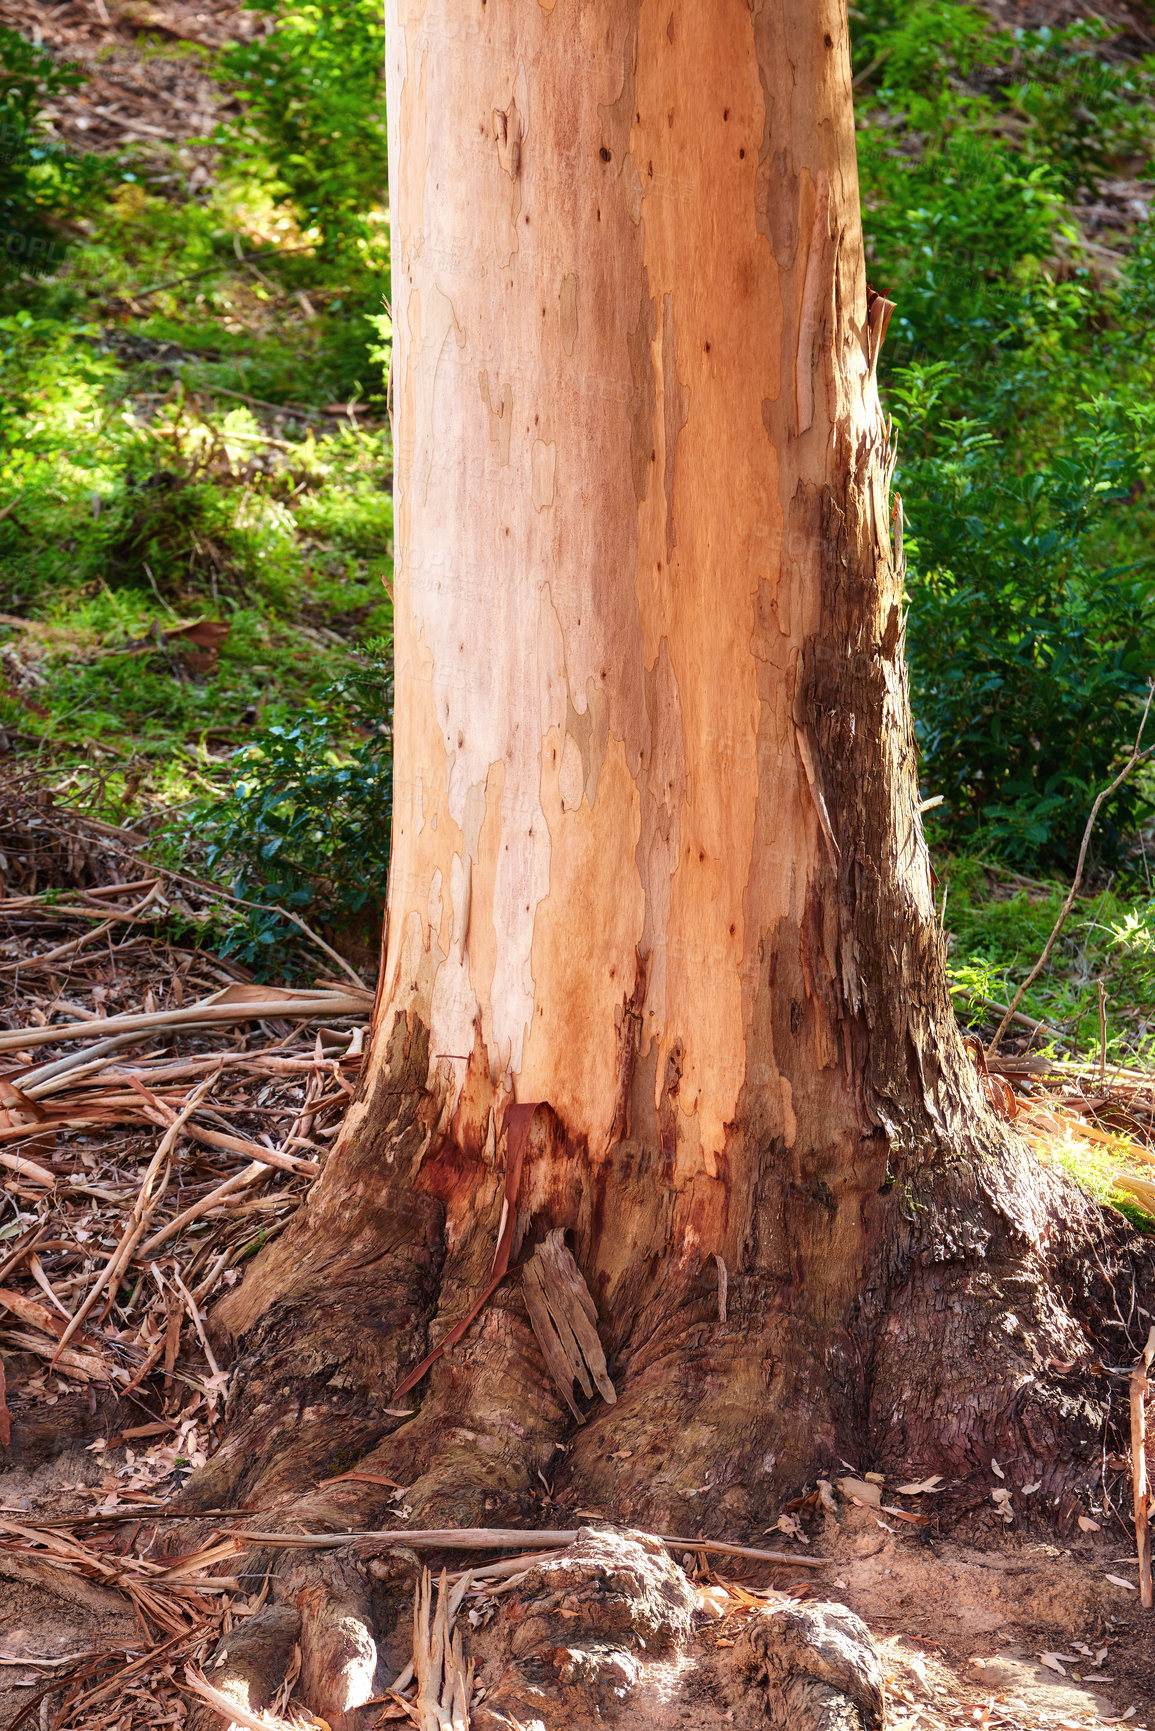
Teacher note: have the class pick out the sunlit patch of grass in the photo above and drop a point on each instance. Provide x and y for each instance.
(1098, 1168)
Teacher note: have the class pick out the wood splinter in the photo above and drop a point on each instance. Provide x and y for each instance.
(565, 1322)
(444, 1680)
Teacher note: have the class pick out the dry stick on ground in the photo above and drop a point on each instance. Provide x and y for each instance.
(498, 1538)
(1028, 1022)
(239, 1181)
(1139, 1388)
(136, 842)
(73, 947)
(1136, 758)
(221, 264)
(230, 1711)
(308, 1007)
(145, 1204)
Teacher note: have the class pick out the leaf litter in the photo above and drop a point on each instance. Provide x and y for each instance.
(162, 1116)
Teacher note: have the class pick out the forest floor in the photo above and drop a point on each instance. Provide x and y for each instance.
(276, 522)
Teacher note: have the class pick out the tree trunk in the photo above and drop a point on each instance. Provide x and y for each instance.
(662, 969)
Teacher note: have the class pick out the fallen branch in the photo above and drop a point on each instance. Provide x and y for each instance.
(1027, 1022)
(71, 948)
(308, 1007)
(498, 1538)
(27, 1168)
(1136, 758)
(231, 1710)
(296, 1163)
(239, 1181)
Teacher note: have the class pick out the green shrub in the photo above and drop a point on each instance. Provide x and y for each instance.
(314, 92)
(38, 179)
(1031, 652)
(1021, 383)
(305, 823)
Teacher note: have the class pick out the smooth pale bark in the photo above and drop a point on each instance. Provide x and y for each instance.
(632, 350)
(645, 591)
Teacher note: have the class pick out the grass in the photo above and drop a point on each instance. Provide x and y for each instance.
(997, 924)
(136, 497)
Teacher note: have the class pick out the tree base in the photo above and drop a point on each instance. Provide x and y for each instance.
(991, 1295)
(984, 1296)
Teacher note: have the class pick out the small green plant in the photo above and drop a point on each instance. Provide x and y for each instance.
(305, 823)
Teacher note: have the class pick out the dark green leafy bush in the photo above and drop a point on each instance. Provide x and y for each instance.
(37, 178)
(305, 822)
(1020, 380)
(1031, 650)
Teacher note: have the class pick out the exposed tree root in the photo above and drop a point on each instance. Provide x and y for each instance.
(250, 1664)
(990, 1293)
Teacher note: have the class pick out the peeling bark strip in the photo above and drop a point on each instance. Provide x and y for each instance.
(444, 1681)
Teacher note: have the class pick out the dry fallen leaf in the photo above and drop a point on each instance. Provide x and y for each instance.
(1118, 1581)
(862, 1490)
(1051, 1661)
(1001, 1497)
(997, 1469)
(788, 1525)
(1087, 1525)
(921, 1488)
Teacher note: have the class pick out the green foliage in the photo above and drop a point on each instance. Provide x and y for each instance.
(304, 824)
(137, 494)
(998, 924)
(314, 90)
(38, 180)
(1021, 384)
(1032, 652)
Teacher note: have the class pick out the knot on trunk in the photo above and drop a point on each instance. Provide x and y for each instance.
(610, 1582)
(821, 1664)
